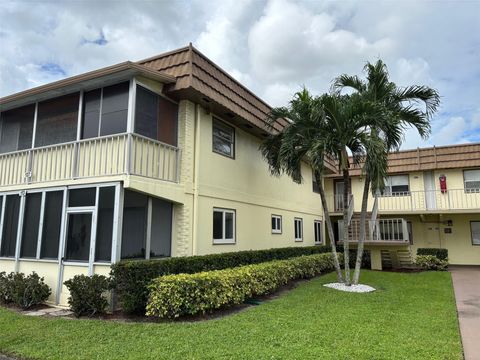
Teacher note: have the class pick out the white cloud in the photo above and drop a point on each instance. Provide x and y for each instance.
(273, 47)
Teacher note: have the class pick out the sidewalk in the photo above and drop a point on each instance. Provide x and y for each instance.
(466, 282)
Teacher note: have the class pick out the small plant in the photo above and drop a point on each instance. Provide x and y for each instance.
(23, 291)
(431, 262)
(87, 294)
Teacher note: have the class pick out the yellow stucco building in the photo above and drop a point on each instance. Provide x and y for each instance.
(160, 158)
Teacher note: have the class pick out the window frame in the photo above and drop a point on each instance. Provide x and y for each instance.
(399, 193)
(471, 232)
(318, 223)
(217, 122)
(279, 230)
(472, 190)
(223, 240)
(300, 228)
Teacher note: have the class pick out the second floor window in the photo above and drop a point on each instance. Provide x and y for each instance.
(105, 111)
(397, 185)
(223, 139)
(472, 180)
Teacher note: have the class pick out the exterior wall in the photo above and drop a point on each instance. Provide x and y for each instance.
(430, 233)
(244, 184)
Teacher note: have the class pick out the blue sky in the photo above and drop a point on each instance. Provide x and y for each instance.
(273, 47)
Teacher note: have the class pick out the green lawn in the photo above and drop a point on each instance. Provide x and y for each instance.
(411, 316)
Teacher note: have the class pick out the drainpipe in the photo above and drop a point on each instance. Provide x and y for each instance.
(196, 171)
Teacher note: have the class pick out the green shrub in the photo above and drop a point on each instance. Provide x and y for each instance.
(87, 294)
(130, 278)
(366, 259)
(441, 254)
(23, 291)
(4, 288)
(431, 262)
(173, 296)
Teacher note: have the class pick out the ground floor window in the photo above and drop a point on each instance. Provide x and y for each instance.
(298, 223)
(276, 224)
(223, 226)
(475, 228)
(317, 227)
(9, 230)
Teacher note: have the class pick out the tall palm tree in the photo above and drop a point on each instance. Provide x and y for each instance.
(302, 139)
(349, 120)
(401, 109)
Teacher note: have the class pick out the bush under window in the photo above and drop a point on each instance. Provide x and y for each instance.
(87, 294)
(23, 291)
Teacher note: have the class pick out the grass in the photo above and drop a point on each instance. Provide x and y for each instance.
(410, 316)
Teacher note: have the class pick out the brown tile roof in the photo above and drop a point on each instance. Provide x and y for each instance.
(194, 71)
(432, 158)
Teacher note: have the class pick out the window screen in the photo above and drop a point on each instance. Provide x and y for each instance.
(78, 237)
(397, 185)
(16, 129)
(134, 225)
(146, 113)
(91, 114)
(161, 228)
(82, 197)
(276, 224)
(52, 222)
(31, 221)
(103, 245)
(114, 109)
(10, 225)
(57, 120)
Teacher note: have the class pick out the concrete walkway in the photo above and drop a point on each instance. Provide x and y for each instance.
(466, 282)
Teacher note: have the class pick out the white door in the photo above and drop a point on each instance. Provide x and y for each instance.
(77, 248)
(430, 194)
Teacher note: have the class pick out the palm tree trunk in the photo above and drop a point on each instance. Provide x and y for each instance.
(328, 222)
(346, 247)
(363, 220)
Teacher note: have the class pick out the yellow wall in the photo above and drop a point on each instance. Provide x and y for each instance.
(244, 184)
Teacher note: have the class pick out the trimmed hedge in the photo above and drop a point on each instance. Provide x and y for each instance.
(130, 278)
(431, 262)
(172, 296)
(441, 254)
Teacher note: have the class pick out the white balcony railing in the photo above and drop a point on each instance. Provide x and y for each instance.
(393, 231)
(451, 199)
(121, 154)
(417, 201)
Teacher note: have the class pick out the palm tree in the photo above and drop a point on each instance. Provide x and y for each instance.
(301, 140)
(401, 109)
(349, 120)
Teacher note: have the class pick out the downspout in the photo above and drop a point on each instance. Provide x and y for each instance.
(196, 171)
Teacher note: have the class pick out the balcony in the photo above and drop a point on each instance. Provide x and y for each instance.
(418, 201)
(122, 154)
(434, 200)
(380, 231)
